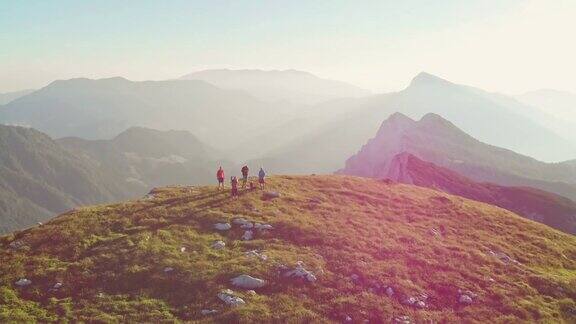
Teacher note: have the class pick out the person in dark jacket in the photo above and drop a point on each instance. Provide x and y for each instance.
(261, 176)
(245, 171)
(234, 183)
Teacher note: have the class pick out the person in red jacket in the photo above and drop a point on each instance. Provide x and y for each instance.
(220, 177)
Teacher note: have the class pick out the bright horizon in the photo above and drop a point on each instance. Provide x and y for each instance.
(505, 46)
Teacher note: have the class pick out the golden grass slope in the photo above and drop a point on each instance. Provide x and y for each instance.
(358, 236)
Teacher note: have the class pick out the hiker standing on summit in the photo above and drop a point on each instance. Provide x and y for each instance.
(245, 171)
(261, 176)
(220, 177)
(234, 183)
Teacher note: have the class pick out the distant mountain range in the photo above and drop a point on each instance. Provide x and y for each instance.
(152, 158)
(101, 109)
(553, 210)
(434, 139)
(40, 177)
(10, 96)
(561, 104)
(491, 118)
(281, 134)
(279, 85)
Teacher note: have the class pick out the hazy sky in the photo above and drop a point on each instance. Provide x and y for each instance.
(503, 45)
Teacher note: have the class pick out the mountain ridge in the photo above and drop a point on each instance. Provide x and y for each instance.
(553, 210)
(279, 85)
(439, 141)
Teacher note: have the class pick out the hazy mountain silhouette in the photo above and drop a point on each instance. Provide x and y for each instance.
(279, 85)
(561, 104)
(553, 210)
(152, 158)
(10, 96)
(436, 140)
(39, 178)
(101, 109)
(492, 118)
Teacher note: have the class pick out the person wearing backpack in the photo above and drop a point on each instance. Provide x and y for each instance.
(244, 171)
(261, 176)
(234, 183)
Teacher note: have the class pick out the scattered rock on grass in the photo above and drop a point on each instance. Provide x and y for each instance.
(222, 226)
(409, 301)
(466, 297)
(355, 278)
(256, 254)
(418, 301)
(259, 226)
(389, 291)
(218, 245)
(23, 282)
(247, 225)
(301, 272)
(248, 235)
(247, 282)
(270, 195)
(465, 300)
(503, 257)
(206, 312)
(402, 320)
(434, 232)
(16, 245)
(228, 297)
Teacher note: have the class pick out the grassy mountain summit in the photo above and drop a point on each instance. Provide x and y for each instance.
(328, 249)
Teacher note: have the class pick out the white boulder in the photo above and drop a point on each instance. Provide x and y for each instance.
(228, 297)
(218, 245)
(23, 282)
(222, 226)
(301, 272)
(208, 312)
(389, 291)
(248, 235)
(247, 282)
(256, 254)
(259, 226)
(465, 299)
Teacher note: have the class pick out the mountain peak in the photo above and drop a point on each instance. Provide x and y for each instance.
(424, 78)
(433, 118)
(399, 117)
(396, 121)
(436, 122)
